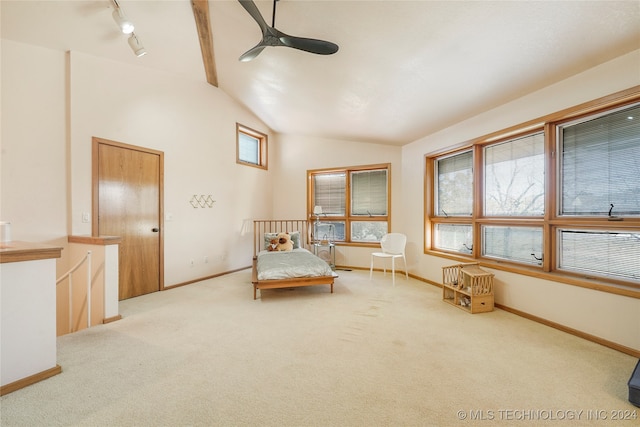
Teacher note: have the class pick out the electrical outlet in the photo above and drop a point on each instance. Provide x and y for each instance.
(206, 259)
(192, 263)
(85, 217)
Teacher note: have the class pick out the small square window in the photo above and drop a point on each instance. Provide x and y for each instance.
(368, 231)
(454, 237)
(517, 244)
(604, 253)
(251, 147)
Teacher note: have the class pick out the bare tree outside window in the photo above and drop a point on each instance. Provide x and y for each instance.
(514, 177)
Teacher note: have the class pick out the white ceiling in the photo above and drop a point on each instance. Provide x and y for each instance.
(404, 69)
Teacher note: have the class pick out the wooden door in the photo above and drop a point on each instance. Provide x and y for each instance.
(128, 203)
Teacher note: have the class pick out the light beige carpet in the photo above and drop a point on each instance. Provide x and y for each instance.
(370, 354)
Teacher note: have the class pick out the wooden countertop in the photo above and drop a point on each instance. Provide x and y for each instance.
(95, 240)
(17, 251)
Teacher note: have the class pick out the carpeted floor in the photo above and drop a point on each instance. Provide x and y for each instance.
(370, 354)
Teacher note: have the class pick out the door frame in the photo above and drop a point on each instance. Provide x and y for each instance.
(95, 161)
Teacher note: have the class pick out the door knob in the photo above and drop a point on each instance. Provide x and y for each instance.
(155, 229)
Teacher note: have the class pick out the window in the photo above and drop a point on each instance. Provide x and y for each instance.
(251, 147)
(455, 184)
(613, 254)
(454, 237)
(601, 165)
(514, 177)
(559, 196)
(454, 199)
(356, 200)
(600, 177)
(329, 195)
(518, 244)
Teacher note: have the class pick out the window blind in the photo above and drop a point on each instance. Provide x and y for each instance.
(601, 165)
(519, 244)
(454, 237)
(249, 149)
(601, 253)
(455, 185)
(330, 193)
(369, 192)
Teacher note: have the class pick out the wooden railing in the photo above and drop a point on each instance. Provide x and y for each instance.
(69, 274)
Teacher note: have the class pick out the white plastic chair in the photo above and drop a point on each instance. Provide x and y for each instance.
(392, 245)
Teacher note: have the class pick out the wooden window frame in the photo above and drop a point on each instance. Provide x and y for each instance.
(551, 221)
(262, 146)
(348, 218)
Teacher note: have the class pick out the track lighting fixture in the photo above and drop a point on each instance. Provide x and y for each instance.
(126, 27)
(136, 46)
(123, 22)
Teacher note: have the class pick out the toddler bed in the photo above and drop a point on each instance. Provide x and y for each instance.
(288, 269)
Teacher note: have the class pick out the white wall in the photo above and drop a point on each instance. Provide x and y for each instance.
(612, 317)
(47, 125)
(33, 146)
(54, 103)
(193, 123)
(33, 154)
(297, 154)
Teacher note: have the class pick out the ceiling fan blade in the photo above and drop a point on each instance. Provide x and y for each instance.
(273, 37)
(251, 7)
(252, 53)
(320, 47)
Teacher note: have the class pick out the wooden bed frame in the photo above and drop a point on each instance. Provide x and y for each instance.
(285, 225)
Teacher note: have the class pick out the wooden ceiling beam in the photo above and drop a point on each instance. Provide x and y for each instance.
(203, 24)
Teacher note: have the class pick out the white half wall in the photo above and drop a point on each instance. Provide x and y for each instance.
(27, 319)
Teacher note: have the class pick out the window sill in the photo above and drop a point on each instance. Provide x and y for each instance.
(595, 284)
(359, 245)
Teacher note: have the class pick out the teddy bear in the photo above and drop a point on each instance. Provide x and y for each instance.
(284, 242)
(273, 245)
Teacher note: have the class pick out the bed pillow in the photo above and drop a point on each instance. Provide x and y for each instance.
(295, 238)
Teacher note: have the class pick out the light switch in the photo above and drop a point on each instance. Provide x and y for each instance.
(85, 217)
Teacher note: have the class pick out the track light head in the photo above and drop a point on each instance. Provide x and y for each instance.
(136, 46)
(123, 22)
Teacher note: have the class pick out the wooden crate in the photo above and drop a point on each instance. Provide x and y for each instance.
(468, 287)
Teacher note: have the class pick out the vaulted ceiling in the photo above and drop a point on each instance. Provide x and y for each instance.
(404, 68)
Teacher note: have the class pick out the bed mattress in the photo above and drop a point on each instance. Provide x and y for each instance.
(290, 264)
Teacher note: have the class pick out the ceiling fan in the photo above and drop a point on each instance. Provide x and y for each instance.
(273, 37)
